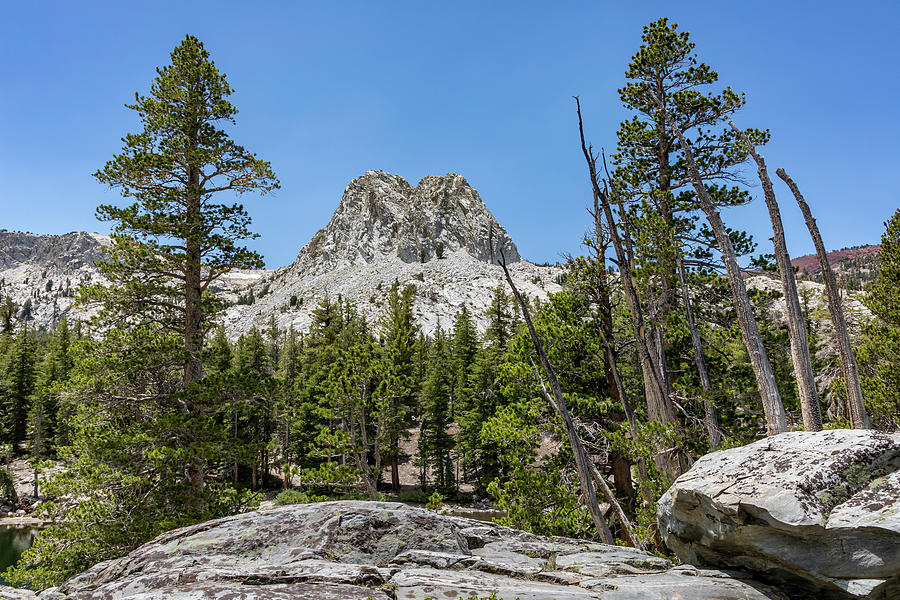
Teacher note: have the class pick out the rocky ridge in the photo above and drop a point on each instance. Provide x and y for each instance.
(381, 215)
(352, 550)
(43, 271)
(438, 236)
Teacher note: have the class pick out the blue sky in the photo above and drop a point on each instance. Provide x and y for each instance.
(328, 90)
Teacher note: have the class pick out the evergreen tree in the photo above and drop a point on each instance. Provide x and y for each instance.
(173, 242)
(399, 387)
(54, 372)
(436, 445)
(21, 376)
(464, 346)
(7, 315)
(879, 355)
(145, 430)
(255, 387)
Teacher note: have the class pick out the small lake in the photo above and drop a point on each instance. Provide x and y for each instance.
(13, 542)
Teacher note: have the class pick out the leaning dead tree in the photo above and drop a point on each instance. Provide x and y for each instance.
(582, 468)
(856, 408)
(611, 367)
(710, 420)
(659, 405)
(776, 421)
(803, 371)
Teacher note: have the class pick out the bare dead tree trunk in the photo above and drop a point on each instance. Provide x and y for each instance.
(858, 417)
(803, 371)
(659, 405)
(611, 368)
(581, 461)
(710, 420)
(776, 422)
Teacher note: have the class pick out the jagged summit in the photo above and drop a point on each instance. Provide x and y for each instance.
(41, 272)
(381, 215)
(67, 251)
(383, 231)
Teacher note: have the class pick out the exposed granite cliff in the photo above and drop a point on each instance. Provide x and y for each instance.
(438, 236)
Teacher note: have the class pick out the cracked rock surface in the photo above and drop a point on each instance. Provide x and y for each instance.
(817, 512)
(386, 551)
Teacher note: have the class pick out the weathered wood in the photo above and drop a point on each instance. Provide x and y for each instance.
(659, 405)
(611, 368)
(710, 419)
(857, 408)
(803, 371)
(776, 421)
(578, 452)
(627, 528)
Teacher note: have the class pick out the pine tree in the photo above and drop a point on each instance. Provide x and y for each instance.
(399, 388)
(173, 242)
(21, 377)
(146, 430)
(879, 355)
(436, 445)
(54, 372)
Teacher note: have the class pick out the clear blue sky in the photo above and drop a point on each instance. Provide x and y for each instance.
(328, 90)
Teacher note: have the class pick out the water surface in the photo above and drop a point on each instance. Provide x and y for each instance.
(14, 540)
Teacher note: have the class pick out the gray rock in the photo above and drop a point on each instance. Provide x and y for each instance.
(11, 593)
(356, 550)
(377, 235)
(817, 511)
(381, 215)
(46, 270)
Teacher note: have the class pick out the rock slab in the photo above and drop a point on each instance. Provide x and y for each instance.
(817, 512)
(387, 551)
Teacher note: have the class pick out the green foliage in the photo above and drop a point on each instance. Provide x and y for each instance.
(8, 493)
(292, 496)
(879, 354)
(436, 445)
(435, 502)
(540, 501)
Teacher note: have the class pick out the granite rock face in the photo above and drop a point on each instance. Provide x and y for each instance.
(44, 271)
(818, 512)
(386, 551)
(381, 215)
(438, 237)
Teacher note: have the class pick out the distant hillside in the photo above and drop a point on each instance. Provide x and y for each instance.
(854, 267)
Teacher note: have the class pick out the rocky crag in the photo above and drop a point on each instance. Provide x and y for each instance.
(386, 551)
(817, 514)
(41, 272)
(438, 236)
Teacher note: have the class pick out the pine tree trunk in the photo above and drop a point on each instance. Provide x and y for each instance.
(803, 371)
(659, 406)
(857, 408)
(710, 420)
(611, 371)
(193, 315)
(776, 421)
(395, 475)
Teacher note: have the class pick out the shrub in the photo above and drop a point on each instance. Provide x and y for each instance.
(435, 502)
(292, 497)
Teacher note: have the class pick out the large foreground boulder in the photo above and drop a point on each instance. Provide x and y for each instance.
(817, 512)
(387, 551)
